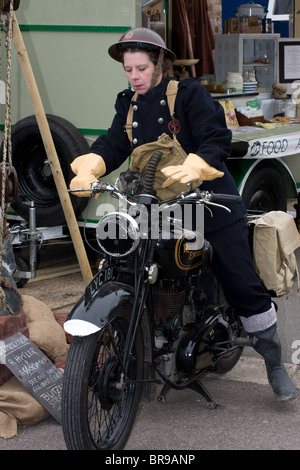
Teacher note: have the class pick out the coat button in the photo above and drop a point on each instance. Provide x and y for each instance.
(135, 141)
(163, 103)
(135, 124)
(160, 120)
(135, 108)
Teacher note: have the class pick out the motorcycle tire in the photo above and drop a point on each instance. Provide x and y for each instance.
(98, 411)
(36, 183)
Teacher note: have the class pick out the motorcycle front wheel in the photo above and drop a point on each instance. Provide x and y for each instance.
(100, 401)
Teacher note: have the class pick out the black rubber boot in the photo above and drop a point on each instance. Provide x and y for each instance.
(269, 347)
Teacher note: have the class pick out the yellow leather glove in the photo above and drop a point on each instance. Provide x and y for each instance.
(194, 168)
(88, 169)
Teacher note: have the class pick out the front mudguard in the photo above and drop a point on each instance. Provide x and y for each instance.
(89, 317)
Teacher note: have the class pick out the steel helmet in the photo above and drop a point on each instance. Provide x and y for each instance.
(143, 38)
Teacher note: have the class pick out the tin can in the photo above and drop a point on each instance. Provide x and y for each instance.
(267, 25)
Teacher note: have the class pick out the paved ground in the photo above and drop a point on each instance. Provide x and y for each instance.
(249, 418)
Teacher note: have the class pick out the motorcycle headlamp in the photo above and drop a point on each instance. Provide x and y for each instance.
(118, 234)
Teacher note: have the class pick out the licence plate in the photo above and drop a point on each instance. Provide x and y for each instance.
(102, 277)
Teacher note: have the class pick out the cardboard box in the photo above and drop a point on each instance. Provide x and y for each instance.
(254, 25)
(232, 26)
(254, 29)
(250, 24)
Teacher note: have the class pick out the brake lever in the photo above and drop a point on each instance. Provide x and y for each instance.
(217, 205)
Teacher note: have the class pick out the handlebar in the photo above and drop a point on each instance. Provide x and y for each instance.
(203, 196)
(98, 187)
(218, 198)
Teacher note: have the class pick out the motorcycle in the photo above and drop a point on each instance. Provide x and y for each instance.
(152, 315)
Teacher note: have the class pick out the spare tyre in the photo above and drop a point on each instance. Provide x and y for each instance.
(30, 161)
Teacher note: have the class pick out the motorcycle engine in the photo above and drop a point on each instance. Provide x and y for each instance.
(201, 345)
(185, 341)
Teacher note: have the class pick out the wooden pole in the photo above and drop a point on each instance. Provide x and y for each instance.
(189, 41)
(51, 152)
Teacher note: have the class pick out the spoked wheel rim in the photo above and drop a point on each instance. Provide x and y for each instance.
(110, 393)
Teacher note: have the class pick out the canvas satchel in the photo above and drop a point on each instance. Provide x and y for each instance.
(275, 240)
(172, 152)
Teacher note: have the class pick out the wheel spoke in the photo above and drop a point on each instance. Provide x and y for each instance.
(105, 400)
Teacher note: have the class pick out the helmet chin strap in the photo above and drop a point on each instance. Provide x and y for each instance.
(158, 68)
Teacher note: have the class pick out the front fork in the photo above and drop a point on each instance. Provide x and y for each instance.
(141, 289)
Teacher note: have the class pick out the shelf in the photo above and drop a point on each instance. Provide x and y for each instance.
(217, 96)
(257, 64)
(240, 52)
(151, 3)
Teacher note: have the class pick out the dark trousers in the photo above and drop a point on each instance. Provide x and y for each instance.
(233, 267)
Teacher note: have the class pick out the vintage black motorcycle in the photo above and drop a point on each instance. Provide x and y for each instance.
(153, 314)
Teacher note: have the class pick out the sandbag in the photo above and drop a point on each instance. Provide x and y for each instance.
(44, 330)
(18, 407)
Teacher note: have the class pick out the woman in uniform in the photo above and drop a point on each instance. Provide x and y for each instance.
(199, 126)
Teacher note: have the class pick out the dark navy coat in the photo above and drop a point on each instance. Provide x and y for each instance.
(200, 128)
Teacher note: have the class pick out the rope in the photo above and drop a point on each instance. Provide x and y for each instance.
(8, 28)
(6, 164)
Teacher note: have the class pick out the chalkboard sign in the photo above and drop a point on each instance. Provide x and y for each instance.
(34, 370)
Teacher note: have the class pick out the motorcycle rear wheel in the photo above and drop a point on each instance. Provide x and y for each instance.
(98, 412)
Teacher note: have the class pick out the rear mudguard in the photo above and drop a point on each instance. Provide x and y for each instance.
(88, 317)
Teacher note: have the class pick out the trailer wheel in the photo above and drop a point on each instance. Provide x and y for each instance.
(36, 182)
(21, 265)
(265, 190)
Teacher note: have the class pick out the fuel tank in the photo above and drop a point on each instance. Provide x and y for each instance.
(178, 257)
(181, 249)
